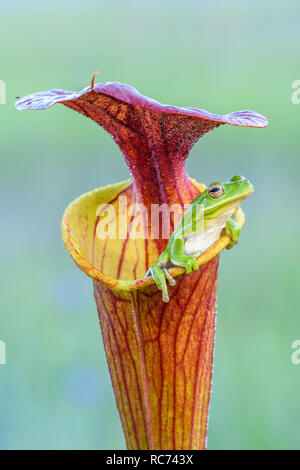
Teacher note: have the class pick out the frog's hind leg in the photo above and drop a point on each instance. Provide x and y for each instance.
(179, 258)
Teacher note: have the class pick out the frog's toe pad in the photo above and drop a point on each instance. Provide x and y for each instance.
(171, 280)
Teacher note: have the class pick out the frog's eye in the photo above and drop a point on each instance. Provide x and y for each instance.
(215, 190)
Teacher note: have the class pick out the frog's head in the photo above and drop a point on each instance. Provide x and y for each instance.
(234, 191)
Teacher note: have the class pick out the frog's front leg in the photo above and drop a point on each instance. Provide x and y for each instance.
(179, 258)
(232, 229)
(159, 273)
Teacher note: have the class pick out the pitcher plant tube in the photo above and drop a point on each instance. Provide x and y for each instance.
(160, 355)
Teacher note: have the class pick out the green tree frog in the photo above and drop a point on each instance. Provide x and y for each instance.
(200, 227)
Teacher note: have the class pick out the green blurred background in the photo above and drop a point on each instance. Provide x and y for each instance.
(222, 56)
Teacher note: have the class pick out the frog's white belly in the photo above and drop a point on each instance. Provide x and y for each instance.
(211, 233)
